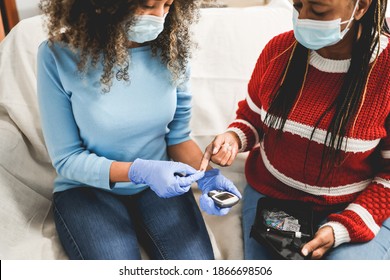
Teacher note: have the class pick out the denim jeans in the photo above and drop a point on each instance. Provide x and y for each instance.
(95, 224)
(376, 249)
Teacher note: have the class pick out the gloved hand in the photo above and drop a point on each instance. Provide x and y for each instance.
(161, 178)
(214, 180)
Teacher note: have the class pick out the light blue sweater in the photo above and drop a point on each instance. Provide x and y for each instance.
(85, 130)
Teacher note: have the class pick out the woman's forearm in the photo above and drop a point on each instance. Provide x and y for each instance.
(187, 152)
(119, 171)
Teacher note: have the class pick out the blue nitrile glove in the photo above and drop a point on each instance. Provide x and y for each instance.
(161, 178)
(214, 180)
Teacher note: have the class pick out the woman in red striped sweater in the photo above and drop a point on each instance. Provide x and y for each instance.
(316, 122)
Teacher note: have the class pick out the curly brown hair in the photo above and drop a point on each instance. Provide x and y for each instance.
(97, 28)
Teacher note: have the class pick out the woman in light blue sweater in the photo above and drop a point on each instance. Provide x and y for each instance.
(115, 109)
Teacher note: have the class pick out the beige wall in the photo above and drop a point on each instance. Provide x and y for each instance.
(27, 8)
(244, 3)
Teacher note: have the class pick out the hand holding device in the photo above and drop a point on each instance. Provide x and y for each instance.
(213, 180)
(222, 150)
(165, 178)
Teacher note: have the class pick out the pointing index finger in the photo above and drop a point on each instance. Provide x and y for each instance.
(205, 160)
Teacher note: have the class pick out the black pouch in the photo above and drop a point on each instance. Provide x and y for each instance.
(282, 243)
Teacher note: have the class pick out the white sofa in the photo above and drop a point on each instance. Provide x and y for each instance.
(230, 40)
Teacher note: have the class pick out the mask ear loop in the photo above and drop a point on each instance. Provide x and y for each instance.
(350, 19)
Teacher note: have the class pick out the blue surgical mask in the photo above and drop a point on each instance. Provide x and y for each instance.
(146, 28)
(317, 34)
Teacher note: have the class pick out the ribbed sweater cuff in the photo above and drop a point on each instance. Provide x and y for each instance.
(247, 134)
(240, 135)
(340, 232)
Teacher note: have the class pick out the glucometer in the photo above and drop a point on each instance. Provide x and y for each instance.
(223, 199)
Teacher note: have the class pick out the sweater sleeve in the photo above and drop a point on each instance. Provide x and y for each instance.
(179, 127)
(69, 157)
(362, 219)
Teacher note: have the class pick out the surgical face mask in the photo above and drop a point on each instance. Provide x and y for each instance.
(317, 34)
(146, 28)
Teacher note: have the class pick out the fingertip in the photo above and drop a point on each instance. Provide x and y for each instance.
(304, 251)
(205, 159)
(204, 164)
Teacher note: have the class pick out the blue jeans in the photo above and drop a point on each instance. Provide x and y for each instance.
(95, 224)
(376, 249)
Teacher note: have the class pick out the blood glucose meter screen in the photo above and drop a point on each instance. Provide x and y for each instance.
(224, 196)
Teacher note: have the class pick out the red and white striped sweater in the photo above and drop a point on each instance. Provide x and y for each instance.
(276, 166)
